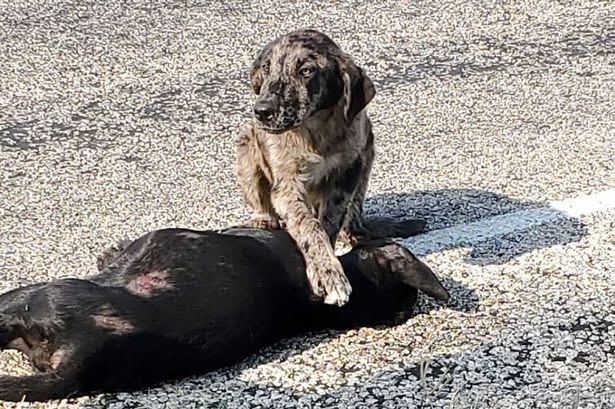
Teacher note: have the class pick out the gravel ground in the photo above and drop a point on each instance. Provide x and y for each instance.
(119, 117)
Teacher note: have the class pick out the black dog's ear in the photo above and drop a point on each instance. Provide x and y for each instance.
(359, 89)
(410, 270)
(260, 69)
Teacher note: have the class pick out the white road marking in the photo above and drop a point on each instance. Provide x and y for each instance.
(475, 232)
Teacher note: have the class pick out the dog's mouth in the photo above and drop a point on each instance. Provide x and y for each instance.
(274, 129)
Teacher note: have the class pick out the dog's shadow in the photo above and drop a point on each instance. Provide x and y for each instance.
(493, 227)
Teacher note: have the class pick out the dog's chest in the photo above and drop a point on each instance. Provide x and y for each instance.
(294, 159)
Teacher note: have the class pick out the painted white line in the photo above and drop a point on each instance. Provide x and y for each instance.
(475, 232)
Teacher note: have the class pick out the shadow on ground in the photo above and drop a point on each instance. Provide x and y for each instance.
(541, 225)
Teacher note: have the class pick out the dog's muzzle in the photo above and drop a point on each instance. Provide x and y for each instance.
(265, 109)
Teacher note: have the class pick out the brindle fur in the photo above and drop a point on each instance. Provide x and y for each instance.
(304, 162)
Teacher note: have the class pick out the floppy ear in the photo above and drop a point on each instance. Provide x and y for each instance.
(358, 88)
(256, 71)
(410, 270)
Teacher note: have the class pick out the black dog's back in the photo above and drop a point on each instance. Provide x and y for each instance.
(216, 299)
(174, 303)
(178, 302)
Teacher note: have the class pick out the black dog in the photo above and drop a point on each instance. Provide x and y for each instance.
(177, 302)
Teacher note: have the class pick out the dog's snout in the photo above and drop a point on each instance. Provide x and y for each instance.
(264, 109)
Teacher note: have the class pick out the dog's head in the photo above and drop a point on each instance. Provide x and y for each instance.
(386, 278)
(304, 72)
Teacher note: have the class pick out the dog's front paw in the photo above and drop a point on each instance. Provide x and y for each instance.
(350, 238)
(328, 280)
(264, 222)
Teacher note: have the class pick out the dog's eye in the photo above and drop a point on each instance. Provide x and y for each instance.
(307, 71)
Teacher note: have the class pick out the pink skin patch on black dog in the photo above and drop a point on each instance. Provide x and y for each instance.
(149, 283)
(107, 318)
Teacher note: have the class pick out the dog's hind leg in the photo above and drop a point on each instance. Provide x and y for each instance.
(109, 254)
(39, 387)
(357, 228)
(16, 315)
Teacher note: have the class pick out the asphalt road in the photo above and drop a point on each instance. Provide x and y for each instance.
(120, 117)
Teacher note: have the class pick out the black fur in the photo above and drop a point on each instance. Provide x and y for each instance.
(177, 302)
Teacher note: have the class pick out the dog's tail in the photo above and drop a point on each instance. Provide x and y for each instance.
(39, 387)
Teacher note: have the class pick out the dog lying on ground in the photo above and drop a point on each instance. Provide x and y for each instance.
(305, 160)
(176, 303)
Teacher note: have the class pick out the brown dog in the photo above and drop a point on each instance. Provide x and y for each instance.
(306, 159)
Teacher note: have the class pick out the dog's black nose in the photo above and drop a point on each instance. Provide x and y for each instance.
(264, 109)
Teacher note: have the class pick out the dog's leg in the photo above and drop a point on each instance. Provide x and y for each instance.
(39, 387)
(323, 269)
(109, 254)
(254, 184)
(357, 228)
(332, 212)
(353, 229)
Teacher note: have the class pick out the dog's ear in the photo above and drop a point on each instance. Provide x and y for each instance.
(410, 270)
(259, 69)
(359, 89)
